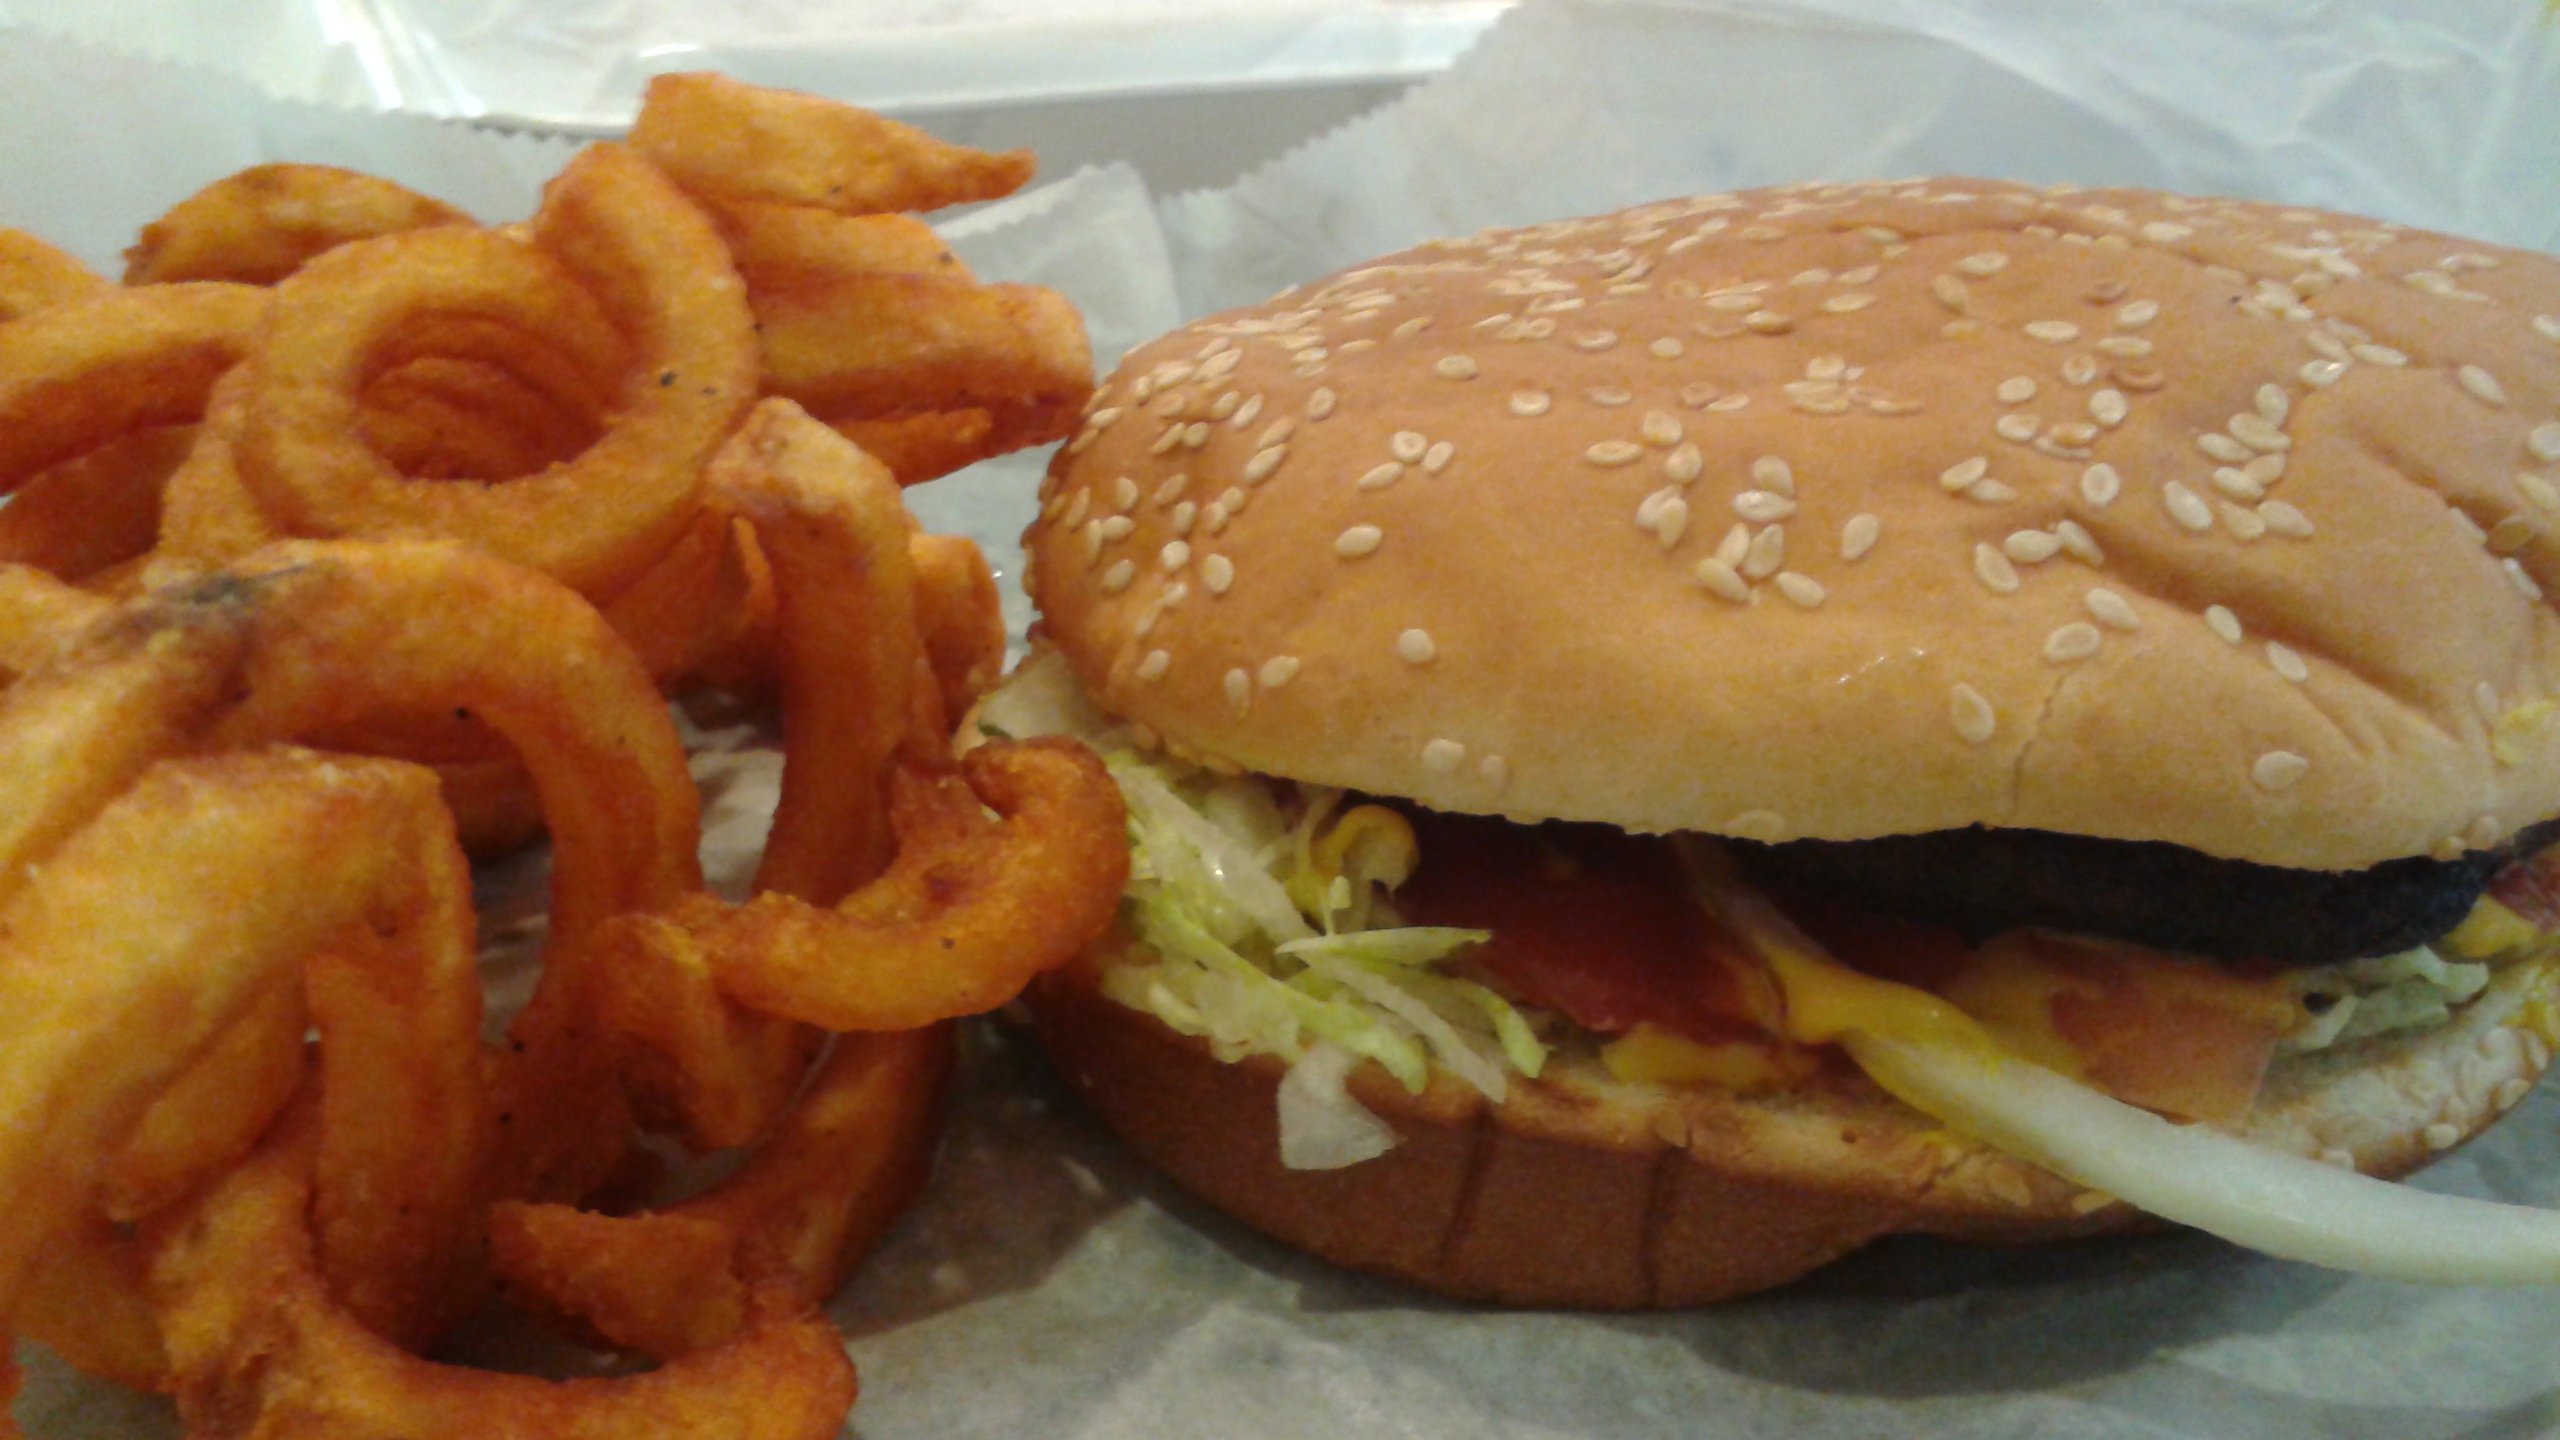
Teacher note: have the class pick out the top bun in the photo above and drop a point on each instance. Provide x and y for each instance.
(1839, 511)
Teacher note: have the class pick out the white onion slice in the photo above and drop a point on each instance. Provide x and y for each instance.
(1321, 1126)
(2271, 1201)
(2282, 1204)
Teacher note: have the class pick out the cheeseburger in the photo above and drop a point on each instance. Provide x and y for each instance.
(1664, 747)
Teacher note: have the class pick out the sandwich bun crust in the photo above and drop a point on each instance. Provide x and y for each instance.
(1843, 511)
(1582, 1192)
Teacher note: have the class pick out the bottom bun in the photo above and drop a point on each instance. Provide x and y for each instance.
(1580, 1191)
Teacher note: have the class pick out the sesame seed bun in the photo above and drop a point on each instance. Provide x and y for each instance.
(1582, 1192)
(1845, 511)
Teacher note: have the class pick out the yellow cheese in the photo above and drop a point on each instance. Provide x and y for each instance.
(2490, 929)
(1650, 1055)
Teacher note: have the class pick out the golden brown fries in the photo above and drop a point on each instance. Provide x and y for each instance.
(260, 225)
(742, 142)
(351, 529)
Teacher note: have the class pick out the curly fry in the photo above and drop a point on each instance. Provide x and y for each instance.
(968, 913)
(258, 1347)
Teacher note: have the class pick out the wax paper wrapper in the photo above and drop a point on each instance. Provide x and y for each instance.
(1048, 1284)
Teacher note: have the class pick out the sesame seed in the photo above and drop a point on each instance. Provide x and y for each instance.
(1174, 555)
(1595, 340)
(1077, 508)
(1357, 541)
(1849, 302)
(2099, 484)
(2441, 1135)
(1408, 446)
(2538, 490)
(2284, 519)
(1530, 402)
(1988, 262)
(1723, 581)
(1455, 367)
(1971, 714)
(1117, 578)
(1277, 433)
(1697, 393)
(2372, 354)
(1195, 434)
(1761, 825)
(1859, 535)
(1494, 771)
(2031, 547)
(1437, 458)
(2287, 662)
(2543, 441)
(1666, 348)
(2018, 425)
(1659, 428)
(2548, 327)
(1277, 671)
(2524, 583)
(1259, 468)
(1991, 492)
(2278, 770)
(1727, 404)
(2051, 332)
(2186, 506)
(1771, 473)
(2272, 403)
(1994, 570)
(2108, 407)
(2265, 469)
(2077, 540)
(1124, 493)
(1804, 590)
(2140, 377)
(2246, 524)
(2111, 610)
(2323, 373)
(1239, 688)
(1320, 403)
(1115, 527)
(2235, 482)
(1172, 488)
(1217, 572)
(1416, 647)
(2072, 435)
(2080, 370)
(2123, 347)
(1443, 756)
(1769, 322)
(1735, 545)
(1763, 506)
(1951, 292)
(2076, 641)
(1612, 453)
(2016, 390)
(2220, 620)
(2258, 433)
(1684, 464)
(1381, 476)
(1768, 552)
(1608, 396)
(2482, 385)
(1154, 665)
(1406, 330)
(2135, 314)
(1246, 413)
(2223, 448)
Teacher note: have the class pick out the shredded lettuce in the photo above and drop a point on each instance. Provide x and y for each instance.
(1270, 912)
